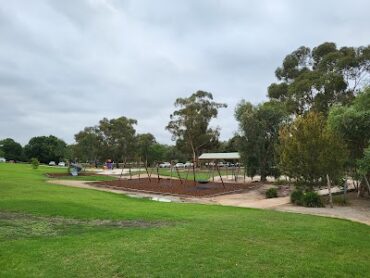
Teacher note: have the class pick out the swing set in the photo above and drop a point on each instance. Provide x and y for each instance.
(211, 161)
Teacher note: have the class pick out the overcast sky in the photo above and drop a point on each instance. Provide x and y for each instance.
(65, 65)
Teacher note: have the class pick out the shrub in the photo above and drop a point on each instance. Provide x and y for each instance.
(35, 163)
(271, 193)
(281, 182)
(297, 197)
(312, 199)
(340, 201)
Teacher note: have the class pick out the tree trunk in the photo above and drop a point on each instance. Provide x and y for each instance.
(345, 190)
(329, 189)
(263, 177)
(367, 183)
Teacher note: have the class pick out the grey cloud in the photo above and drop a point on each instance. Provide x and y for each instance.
(65, 65)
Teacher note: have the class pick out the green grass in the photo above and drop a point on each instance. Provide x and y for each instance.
(89, 178)
(53, 231)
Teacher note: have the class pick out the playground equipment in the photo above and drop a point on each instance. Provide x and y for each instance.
(75, 169)
(203, 173)
(214, 163)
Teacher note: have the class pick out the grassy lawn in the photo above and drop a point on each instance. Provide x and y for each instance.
(55, 231)
(89, 178)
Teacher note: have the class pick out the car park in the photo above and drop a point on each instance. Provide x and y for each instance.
(188, 164)
(165, 165)
(180, 165)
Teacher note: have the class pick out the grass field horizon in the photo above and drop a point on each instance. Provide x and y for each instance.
(51, 230)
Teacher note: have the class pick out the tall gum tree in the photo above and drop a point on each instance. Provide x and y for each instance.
(315, 80)
(259, 129)
(189, 124)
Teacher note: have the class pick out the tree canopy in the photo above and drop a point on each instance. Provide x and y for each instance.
(318, 78)
(352, 123)
(189, 125)
(89, 144)
(11, 150)
(309, 150)
(111, 139)
(46, 149)
(118, 137)
(259, 126)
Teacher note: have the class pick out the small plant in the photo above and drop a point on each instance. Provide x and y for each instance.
(35, 163)
(271, 193)
(340, 200)
(281, 182)
(312, 199)
(297, 197)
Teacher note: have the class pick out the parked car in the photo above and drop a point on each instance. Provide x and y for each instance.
(62, 164)
(188, 164)
(165, 165)
(180, 165)
(2, 160)
(52, 163)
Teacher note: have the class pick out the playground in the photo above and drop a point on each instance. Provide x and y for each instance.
(177, 187)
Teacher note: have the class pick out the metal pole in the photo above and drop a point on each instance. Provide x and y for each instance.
(218, 169)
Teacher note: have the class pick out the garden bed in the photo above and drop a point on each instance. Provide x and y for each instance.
(176, 187)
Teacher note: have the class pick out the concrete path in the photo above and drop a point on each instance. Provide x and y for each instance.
(354, 213)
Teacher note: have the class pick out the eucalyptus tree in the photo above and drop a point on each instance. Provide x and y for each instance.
(352, 124)
(118, 137)
(144, 143)
(259, 128)
(319, 78)
(89, 144)
(189, 124)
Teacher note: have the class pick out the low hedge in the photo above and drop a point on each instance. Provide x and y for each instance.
(307, 199)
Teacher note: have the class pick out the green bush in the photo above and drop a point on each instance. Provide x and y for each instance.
(297, 197)
(281, 182)
(35, 163)
(337, 200)
(271, 193)
(312, 199)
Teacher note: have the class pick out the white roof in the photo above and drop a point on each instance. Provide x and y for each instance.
(210, 156)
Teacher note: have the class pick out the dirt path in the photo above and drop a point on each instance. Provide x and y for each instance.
(359, 211)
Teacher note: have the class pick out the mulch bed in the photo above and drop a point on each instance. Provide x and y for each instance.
(175, 187)
(60, 175)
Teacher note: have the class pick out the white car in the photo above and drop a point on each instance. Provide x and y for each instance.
(165, 165)
(188, 164)
(52, 163)
(180, 165)
(62, 164)
(2, 160)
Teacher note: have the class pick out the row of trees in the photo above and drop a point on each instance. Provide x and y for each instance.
(44, 148)
(91, 147)
(316, 122)
(116, 139)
